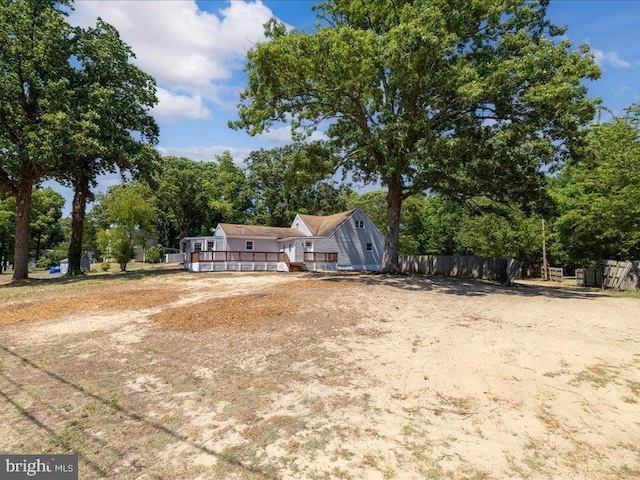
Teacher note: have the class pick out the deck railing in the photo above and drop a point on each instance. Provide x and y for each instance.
(229, 256)
(326, 257)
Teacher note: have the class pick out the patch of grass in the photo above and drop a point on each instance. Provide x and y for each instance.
(634, 387)
(545, 416)
(599, 375)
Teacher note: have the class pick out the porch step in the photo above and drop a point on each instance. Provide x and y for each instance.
(298, 267)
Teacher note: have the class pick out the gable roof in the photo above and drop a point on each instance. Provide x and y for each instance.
(232, 230)
(325, 226)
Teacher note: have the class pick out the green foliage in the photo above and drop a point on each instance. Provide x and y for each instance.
(428, 225)
(154, 254)
(289, 180)
(182, 198)
(492, 230)
(127, 215)
(36, 49)
(7, 229)
(71, 107)
(105, 266)
(43, 263)
(229, 197)
(463, 98)
(598, 195)
(119, 244)
(59, 252)
(46, 212)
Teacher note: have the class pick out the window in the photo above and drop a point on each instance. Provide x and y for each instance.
(248, 245)
(369, 247)
(359, 223)
(210, 245)
(197, 246)
(308, 244)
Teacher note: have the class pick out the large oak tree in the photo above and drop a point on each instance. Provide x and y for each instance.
(35, 52)
(113, 97)
(457, 97)
(72, 106)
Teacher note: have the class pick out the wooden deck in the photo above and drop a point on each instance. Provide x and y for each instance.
(228, 256)
(210, 256)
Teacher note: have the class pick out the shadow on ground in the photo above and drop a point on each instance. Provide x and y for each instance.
(106, 277)
(130, 416)
(459, 286)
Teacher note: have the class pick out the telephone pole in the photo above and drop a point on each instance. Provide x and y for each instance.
(545, 264)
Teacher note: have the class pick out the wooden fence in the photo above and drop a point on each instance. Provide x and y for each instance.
(499, 269)
(610, 274)
(556, 274)
(588, 277)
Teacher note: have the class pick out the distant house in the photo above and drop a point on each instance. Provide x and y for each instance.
(344, 241)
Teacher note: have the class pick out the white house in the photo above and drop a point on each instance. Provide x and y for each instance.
(344, 241)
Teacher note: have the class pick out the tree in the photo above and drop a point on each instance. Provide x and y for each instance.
(113, 97)
(229, 196)
(462, 98)
(441, 219)
(46, 213)
(293, 179)
(494, 230)
(428, 225)
(182, 198)
(598, 195)
(7, 229)
(35, 51)
(127, 215)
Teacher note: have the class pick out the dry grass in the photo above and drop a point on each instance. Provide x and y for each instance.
(265, 376)
(242, 311)
(109, 299)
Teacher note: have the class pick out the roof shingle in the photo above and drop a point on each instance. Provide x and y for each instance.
(258, 231)
(326, 225)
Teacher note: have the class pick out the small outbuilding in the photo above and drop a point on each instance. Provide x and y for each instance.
(85, 264)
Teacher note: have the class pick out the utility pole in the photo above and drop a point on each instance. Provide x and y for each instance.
(545, 264)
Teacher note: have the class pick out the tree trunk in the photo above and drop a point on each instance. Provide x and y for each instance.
(3, 256)
(23, 232)
(390, 262)
(38, 244)
(78, 210)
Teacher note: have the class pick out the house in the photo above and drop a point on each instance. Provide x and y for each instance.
(343, 241)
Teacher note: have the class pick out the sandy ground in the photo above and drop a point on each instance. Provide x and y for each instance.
(301, 376)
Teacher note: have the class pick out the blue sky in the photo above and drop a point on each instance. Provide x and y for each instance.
(196, 51)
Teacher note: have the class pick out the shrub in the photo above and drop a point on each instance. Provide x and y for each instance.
(43, 263)
(105, 266)
(154, 254)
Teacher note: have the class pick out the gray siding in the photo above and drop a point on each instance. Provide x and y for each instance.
(352, 242)
(259, 245)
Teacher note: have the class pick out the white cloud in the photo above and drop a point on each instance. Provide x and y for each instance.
(174, 106)
(609, 58)
(206, 153)
(282, 136)
(184, 48)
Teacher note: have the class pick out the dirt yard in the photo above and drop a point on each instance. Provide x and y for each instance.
(172, 375)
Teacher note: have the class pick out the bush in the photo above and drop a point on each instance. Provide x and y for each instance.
(43, 263)
(154, 254)
(105, 267)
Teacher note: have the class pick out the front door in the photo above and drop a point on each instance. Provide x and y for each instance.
(308, 248)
